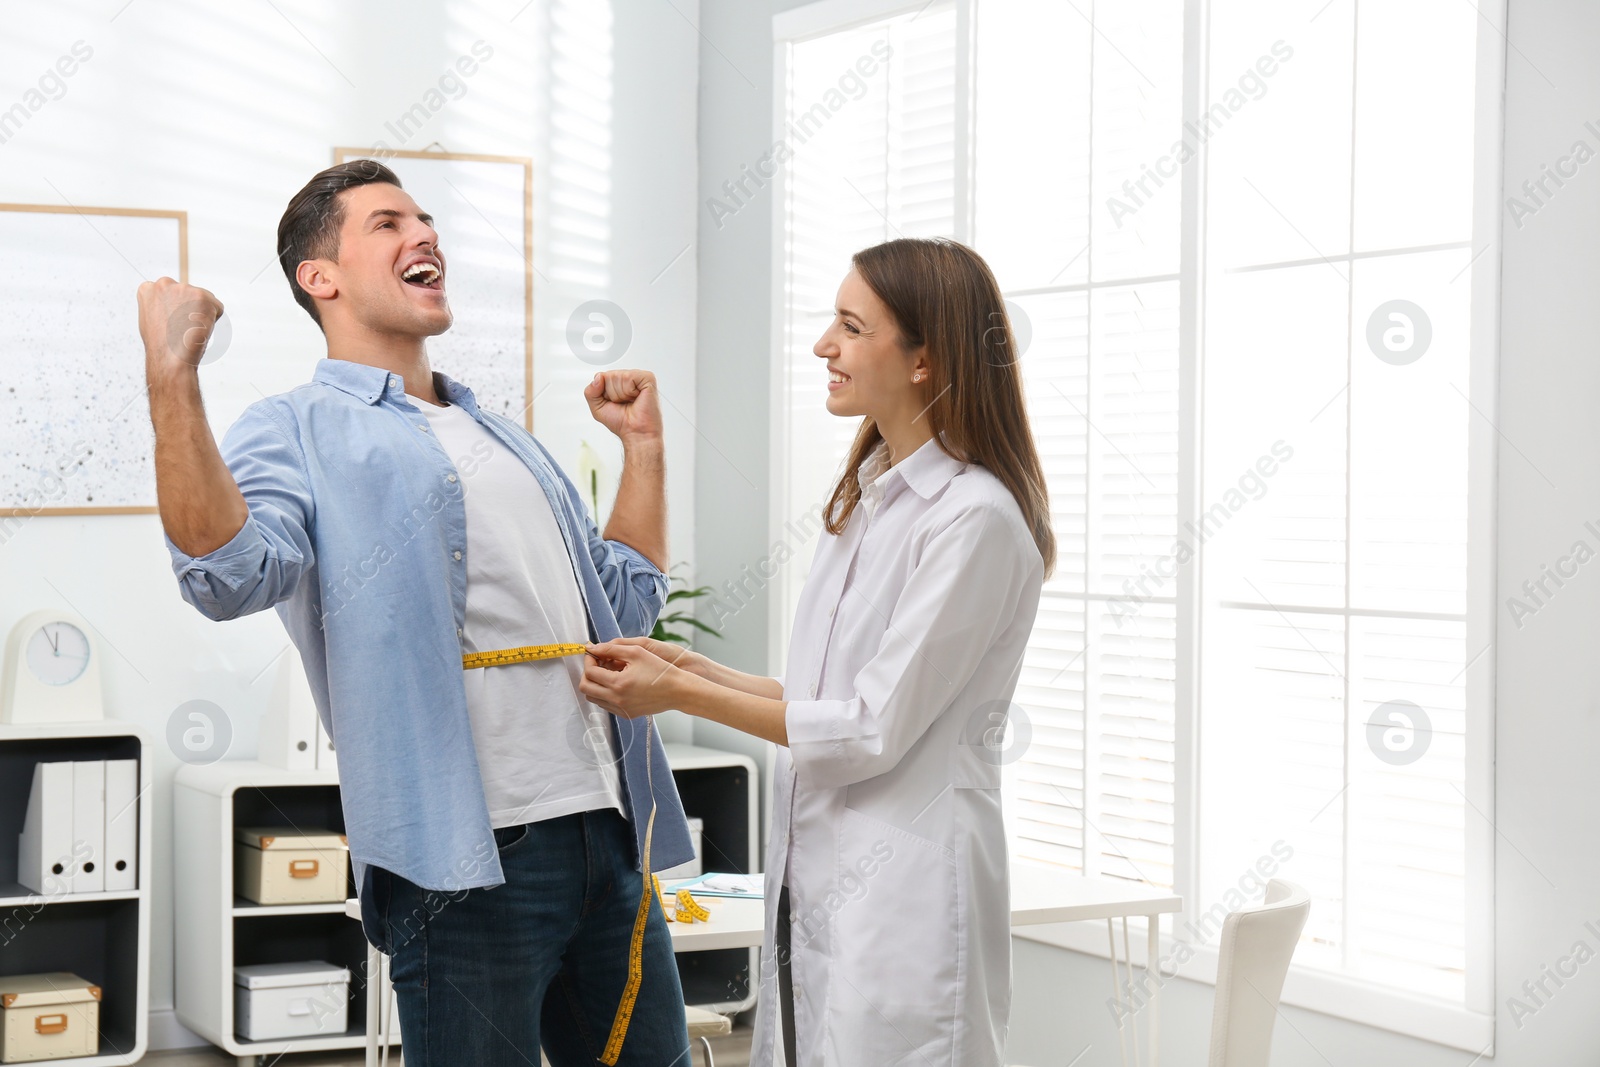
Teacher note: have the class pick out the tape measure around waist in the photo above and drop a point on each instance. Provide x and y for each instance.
(524, 654)
(650, 885)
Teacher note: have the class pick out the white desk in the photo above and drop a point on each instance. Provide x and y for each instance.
(735, 923)
(1050, 895)
(1038, 895)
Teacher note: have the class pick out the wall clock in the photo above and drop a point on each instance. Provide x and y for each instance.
(51, 671)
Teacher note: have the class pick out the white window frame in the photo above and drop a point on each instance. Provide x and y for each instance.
(1469, 1026)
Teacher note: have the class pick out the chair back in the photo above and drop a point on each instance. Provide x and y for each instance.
(1257, 944)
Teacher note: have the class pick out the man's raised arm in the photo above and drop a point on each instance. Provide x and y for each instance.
(624, 401)
(201, 505)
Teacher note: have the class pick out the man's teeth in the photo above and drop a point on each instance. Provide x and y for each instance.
(423, 272)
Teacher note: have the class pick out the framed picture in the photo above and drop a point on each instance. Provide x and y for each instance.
(482, 207)
(76, 437)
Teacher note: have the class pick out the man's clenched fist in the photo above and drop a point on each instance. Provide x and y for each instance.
(175, 321)
(624, 402)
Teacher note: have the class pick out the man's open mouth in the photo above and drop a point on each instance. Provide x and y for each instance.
(423, 275)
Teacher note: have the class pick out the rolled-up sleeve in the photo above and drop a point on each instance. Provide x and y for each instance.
(265, 560)
(959, 599)
(635, 587)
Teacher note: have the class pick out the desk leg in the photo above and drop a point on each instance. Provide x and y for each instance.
(1127, 959)
(386, 999)
(1117, 990)
(1152, 967)
(374, 1003)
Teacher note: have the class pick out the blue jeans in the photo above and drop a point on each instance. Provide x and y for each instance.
(487, 977)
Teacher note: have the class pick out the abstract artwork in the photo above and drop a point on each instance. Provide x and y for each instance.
(75, 437)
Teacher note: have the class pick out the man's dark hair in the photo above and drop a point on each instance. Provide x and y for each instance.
(310, 225)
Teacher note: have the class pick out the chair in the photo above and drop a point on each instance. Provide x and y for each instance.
(1253, 959)
(704, 1025)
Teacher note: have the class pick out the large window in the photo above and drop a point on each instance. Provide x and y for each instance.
(1251, 250)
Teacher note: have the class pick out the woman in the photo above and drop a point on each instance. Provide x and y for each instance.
(888, 911)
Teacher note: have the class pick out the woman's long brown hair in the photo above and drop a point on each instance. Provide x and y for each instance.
(942, 294)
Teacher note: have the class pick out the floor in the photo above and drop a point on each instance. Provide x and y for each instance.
(730, 1051)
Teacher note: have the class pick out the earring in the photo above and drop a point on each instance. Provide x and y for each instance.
(916, 377)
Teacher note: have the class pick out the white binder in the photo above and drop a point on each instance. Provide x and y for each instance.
(89, 825)
(44, 848)
(288, 735)
(326, 760)
(122, 824)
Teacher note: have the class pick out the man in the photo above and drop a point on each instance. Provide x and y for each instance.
(395, 526)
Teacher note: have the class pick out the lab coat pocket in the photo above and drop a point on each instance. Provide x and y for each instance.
(896, 957)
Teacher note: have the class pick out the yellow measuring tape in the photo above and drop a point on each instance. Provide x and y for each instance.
(695, 911)
(630, 992)
(687, 909)
(661, 898)
(651, 885)
(525, 654)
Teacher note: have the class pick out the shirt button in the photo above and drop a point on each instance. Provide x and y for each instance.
(458, 553)
(458, 631)
(450, 477)
(422, 427)
(832, 610)
(813, 689)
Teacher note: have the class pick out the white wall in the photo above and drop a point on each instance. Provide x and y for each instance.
(224, 111)
(1547, 817)
(734, 365)
(1547, 813)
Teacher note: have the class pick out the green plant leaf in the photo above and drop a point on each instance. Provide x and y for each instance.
(698, 625)
(681, 618)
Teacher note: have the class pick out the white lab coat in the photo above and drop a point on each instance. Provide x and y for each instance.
(907, 645)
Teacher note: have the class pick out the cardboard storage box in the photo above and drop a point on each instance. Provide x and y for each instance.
(52, 1016)
(273, 1000)
(285, 866)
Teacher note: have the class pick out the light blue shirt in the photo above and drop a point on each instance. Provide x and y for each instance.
(357, 536)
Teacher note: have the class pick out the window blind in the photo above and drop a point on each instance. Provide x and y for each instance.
(1337, 326)
(1327, 514)
(872, 131)
(1073, 104)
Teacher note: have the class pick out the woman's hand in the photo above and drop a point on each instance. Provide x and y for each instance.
(677, 655)
(635, 676)
(628, 678)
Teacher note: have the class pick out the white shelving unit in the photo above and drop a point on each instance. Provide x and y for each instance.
(719, 788)
(102, 937)
(215, 930)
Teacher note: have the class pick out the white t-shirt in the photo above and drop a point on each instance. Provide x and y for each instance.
(543, 750)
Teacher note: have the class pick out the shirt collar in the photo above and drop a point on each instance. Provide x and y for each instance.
(926, 471)
(364, 382)
(370, 384)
